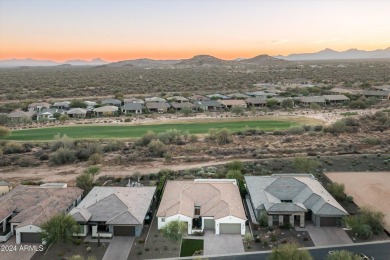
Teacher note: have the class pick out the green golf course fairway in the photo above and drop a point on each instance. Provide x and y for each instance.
(134, 131)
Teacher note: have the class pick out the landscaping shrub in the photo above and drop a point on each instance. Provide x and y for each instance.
(95, 158)
(85, 150)
(337, 190)
(235, 166)
(156, 148)
(62, 156)
(222, 136)
(305, 165)
(296, 130)
(13, 147)
(26, 161)
(146, 138)
(366, 223)
(372, 140)
(113, 146)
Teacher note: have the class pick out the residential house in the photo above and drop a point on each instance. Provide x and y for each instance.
(195, 98)
(38, 106)
(307, 101)
(132, 108)
(133, 100)
(77, 112)
(238, 96)
(4, 188)
(48, 114)
(383, 87)
(262, 94)
(112, 102)
(106, 111)
(380, 94)
(114, 211)
(63, 105)
(155, 99)
(204, 204)
(90, 105)
(292, 199)
(256, 102)
(229, 103)
(19, 115)
(25, 208)
(209, 105)
(178, 99)
(158, 107)
(177, 106)
(217, 96)
(336, 99)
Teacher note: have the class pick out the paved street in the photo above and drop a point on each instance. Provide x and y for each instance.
(222, 244)
(379, 250)
(119, 248)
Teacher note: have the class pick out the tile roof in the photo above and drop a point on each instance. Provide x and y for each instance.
(256, 100)
(304, 192)
(312, 99)
(376, 93)
(155, 99)
(115, 205)
(4, 183)
(77, 111)
(335, 97)
(35, 205)
(233, 102)
(216, 198)
(39, 104)
(20, 114)
(157, 105)
(178, 98)
(182, 105)
(111, 101)
(208, 103)
(133, 106)
(106, 109)
(133, 100)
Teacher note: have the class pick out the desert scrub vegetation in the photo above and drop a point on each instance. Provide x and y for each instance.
(366, 223)
(305, 165)
(220, 136)
(62, 156)
(337, 190)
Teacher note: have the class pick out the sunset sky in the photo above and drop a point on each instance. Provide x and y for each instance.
(171, 29)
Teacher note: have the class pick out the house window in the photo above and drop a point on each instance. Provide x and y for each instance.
(286, 200)
(197, 211)
(162, 219)
(275, 217)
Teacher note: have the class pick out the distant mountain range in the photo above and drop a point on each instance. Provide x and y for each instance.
(208, 61)
(329, 54)
(45, 63)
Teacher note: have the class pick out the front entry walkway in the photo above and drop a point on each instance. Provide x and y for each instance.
(326, 236)
(222, 244)
(119, 248)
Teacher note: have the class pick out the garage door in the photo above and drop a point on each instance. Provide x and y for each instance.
(230, 228)
(30, 238)
(209, 224)
(124, 230)
(329, 222)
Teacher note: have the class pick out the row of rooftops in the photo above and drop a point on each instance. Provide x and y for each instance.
(217, 198)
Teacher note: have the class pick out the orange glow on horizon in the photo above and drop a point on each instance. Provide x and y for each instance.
(112, 56)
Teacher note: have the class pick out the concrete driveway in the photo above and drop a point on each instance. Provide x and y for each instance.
(222, 244)
(119, 248)
(327, 236)
(16, 252)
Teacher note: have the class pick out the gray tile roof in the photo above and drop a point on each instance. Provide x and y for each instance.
(77, 111)
(336, 97)
(256, 100)
(209, 103)
(132, 106)
(379, 93)
(157, 105)
(115, 205)
(304, 192)
(312, 99)
(111, 102)
(4, 183)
